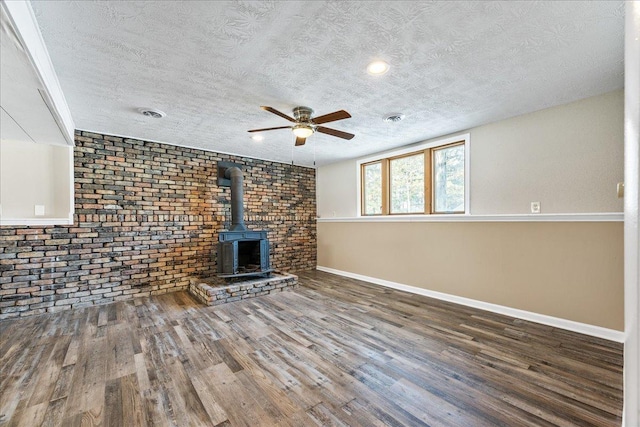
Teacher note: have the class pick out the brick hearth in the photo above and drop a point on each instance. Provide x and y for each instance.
(215, 291)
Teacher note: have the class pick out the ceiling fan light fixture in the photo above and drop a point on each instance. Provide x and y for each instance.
(302, 131)
(377, 68)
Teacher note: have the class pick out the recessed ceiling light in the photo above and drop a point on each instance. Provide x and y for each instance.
(257, 138)
(377, 68)
(152, 112)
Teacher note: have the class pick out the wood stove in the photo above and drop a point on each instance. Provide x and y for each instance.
(241, 252)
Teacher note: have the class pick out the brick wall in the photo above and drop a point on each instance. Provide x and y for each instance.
(147, 216)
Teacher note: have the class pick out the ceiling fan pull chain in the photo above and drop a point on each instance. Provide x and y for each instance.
(314, 153)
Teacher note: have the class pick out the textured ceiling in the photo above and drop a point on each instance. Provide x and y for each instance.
(210, 65)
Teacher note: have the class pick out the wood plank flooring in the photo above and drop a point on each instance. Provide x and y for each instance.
(334, 352)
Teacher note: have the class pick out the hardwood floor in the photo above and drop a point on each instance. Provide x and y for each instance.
(335, 351)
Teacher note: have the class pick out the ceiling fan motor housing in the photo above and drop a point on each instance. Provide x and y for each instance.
(302, 114)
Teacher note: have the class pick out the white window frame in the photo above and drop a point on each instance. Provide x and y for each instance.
(464, 138)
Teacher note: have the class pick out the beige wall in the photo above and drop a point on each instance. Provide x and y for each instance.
(569, 158)
(336, 186)
(34, 174)
(569, 270)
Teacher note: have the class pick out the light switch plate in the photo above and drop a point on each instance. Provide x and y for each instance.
(620, 190)
(38, 210)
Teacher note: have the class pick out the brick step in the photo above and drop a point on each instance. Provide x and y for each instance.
(216, 291)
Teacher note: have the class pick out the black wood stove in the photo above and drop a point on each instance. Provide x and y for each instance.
(241, 252)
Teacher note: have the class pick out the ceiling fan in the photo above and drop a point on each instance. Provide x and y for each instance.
(304, 125)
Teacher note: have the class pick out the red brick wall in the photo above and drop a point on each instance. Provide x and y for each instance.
(147, 217)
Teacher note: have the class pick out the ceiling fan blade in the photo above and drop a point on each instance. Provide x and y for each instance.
(300, 141)
(278, 113)
(331, 117)
(261, 130)
(334, 132)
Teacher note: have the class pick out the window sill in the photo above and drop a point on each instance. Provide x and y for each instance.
(573, 217)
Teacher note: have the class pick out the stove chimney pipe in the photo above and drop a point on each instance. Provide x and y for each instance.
(237, 198)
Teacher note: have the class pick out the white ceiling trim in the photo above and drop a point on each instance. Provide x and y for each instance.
(25, 28)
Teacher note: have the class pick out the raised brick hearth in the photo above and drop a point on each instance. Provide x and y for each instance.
(216, 291)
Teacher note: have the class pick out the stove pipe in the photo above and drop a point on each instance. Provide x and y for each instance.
(237, 199)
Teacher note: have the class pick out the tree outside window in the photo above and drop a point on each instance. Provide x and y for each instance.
(372, 189)
(407, 184)
(448, 179)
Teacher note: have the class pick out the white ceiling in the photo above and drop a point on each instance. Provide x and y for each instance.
(210, 65)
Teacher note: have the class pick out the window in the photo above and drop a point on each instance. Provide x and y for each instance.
(372, 188)
(448, 179)
(407, 184)
(425, 181)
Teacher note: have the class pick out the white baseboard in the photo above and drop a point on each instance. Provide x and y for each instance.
(570, 325)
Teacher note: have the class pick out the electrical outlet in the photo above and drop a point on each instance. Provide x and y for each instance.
(535, 207)
(38, 210)
(620, 190)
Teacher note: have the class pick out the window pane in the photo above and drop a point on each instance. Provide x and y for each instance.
(372, 189)
(407, 184)
(448, 179)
